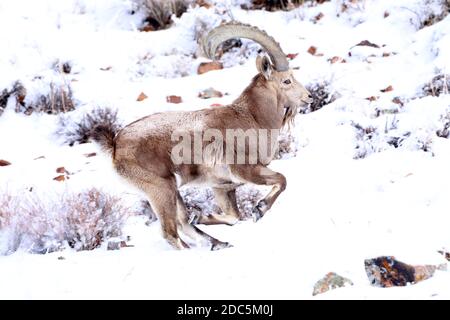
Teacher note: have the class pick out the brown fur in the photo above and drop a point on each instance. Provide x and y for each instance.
(143, 148)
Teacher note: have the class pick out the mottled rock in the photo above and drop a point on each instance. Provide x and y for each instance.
(210, 93)
(331, 281)
(209, 66)
(387, 272)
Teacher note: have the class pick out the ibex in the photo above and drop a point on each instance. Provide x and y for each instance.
(142, 151)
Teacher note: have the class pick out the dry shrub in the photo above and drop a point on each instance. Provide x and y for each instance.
(321, 95)
(431, 17)
(273, 5)
(201, 201)
(82, 221)
(77, 132)
(444, 131)
(287, 146)
(440, 84)
(59, 98)
(159, 12)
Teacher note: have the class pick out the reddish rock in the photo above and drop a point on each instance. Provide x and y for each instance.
(61, 170)
(312, 50)
(174, 99)
(216, 105)
(372, 98)
(142, 96)
(291, 56)
(4, 163)
(209, 66)
(387, 89)
(319, 16)
(148, 28)
(60, 178)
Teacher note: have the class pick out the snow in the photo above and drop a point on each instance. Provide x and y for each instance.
(342, 204)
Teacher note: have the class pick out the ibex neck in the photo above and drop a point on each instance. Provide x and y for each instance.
(263, 103)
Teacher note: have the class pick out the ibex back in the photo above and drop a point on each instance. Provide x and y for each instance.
(142, 152)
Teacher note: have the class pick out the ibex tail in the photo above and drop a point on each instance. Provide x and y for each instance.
(104, 136)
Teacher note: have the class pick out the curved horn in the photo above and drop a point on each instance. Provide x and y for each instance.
(238, 30)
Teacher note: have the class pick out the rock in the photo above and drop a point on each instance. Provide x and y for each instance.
(210, 93)
(312, 50)
(397, 100)
(61, 258)
(318, 17)
(174, 99)
(148, 28)
(61, 170)
(372, 98)
(142, 96)
(216, 105)
(116, 245)
(291, 56)
(89, 155)
(387, 272)
(60, 178)
(367, 43)
(203, 3)
(337, 59)
(4, 163)
(387, 89)
(113, 245)
(209, 66)
(331, 281)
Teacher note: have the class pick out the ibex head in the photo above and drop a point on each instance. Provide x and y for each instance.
(274, 67)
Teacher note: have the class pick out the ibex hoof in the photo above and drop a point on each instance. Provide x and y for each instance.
(220, 245)
(259, 210)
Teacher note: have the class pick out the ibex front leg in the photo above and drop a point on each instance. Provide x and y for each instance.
(261, 175)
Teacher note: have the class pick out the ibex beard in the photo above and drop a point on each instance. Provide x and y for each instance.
(222, 148)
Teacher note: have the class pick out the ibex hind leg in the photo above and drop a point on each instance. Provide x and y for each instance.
(195, 233)
(162, 195)
(261, 175)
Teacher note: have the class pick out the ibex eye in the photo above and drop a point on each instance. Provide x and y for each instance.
(287, 81)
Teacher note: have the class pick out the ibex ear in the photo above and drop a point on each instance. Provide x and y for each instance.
(264, 66)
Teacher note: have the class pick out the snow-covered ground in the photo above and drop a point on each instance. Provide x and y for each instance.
(352, 192)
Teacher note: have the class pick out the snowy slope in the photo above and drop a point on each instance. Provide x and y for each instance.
(350, 195)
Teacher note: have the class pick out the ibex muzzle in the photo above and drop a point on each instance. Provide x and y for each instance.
(142, 151)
